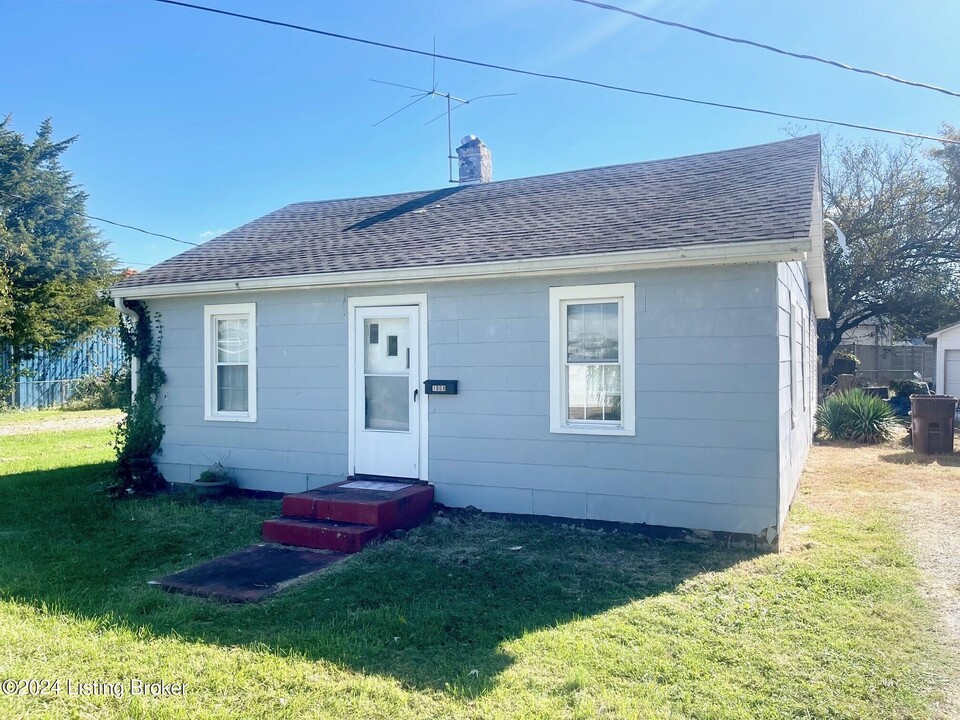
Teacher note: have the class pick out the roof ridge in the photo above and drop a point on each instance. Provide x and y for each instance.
(673, 158)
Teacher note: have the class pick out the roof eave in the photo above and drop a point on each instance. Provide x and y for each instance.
(703, 254)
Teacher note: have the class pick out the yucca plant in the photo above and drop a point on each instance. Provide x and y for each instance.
(854, 415)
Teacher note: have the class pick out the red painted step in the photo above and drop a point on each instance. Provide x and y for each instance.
(321, 535)
(343, 518)
(387, 510)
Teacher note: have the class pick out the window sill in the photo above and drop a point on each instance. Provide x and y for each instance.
(230, 418)
(597, 430)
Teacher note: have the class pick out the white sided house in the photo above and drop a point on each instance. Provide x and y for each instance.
(632, 344)
(947, 378)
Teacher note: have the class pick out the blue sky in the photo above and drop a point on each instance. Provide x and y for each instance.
(191, 124)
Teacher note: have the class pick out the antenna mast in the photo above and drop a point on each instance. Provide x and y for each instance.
(422, 94)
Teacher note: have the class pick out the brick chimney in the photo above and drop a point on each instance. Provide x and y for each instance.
(475, 161)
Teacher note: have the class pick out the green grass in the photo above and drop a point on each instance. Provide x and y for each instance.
(449, 622)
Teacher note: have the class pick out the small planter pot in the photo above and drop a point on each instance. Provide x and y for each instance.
(217, 488)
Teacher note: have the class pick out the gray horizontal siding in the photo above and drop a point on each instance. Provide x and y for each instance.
(706, 353)
(624, 482)
(300, 438)
(705, 451)
(794, 423)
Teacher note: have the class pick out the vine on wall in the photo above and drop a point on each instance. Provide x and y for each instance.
(139, 433)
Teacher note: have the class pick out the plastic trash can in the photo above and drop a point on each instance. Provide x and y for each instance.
(931, 424)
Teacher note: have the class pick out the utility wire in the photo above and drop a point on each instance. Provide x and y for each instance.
(562, 78)
(99, 219)
(771, 48)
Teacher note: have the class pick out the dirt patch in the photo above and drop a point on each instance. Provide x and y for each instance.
(62, 422)
(923, 493)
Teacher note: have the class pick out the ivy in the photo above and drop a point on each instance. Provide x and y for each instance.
(140, 432)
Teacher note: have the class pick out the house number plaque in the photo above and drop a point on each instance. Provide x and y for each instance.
(440, 387)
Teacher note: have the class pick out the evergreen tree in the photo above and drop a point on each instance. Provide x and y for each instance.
(52, 261)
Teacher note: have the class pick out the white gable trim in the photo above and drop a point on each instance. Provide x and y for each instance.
(717, 254)
(942, 331)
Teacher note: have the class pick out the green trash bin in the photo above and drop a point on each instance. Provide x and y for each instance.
(931, 424)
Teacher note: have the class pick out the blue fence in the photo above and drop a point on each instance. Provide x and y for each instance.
(49, 379)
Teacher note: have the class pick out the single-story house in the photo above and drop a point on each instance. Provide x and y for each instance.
(633, 343)
(947, 374)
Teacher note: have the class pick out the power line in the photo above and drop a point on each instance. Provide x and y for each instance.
(99, 219)
(562, 78)
(771, 48)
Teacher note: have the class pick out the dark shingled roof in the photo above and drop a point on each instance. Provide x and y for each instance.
(751, 194)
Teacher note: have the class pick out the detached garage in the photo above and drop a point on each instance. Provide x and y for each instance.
(948, 359)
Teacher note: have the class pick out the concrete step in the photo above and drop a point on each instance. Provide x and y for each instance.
(386, 510)
(319, 534)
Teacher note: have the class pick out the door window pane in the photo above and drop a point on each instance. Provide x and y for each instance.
(387, 402)
(386, 357)
(593, 332)
(387, 392)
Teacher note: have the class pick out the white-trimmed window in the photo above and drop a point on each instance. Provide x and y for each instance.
(230, 362)
(592, 368)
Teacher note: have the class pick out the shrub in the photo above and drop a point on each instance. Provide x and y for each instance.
(139, 433)
(906, 388)
(854, 415)
(106, 389)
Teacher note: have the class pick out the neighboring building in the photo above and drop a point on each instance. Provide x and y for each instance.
(947, 377)
(869, 332)
(632, 343)
(876, 333)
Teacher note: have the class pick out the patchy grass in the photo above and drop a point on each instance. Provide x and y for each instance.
(451, 621)
(920, 497)
(32, 421)
(19, 417)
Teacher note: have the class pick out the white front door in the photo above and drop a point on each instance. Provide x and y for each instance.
(387, 391)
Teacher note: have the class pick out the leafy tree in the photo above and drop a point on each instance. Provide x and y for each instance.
(52, 262)
(899, 208)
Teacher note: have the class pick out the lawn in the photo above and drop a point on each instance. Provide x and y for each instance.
(477, 618)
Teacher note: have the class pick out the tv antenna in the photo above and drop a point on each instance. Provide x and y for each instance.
(422, 94)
